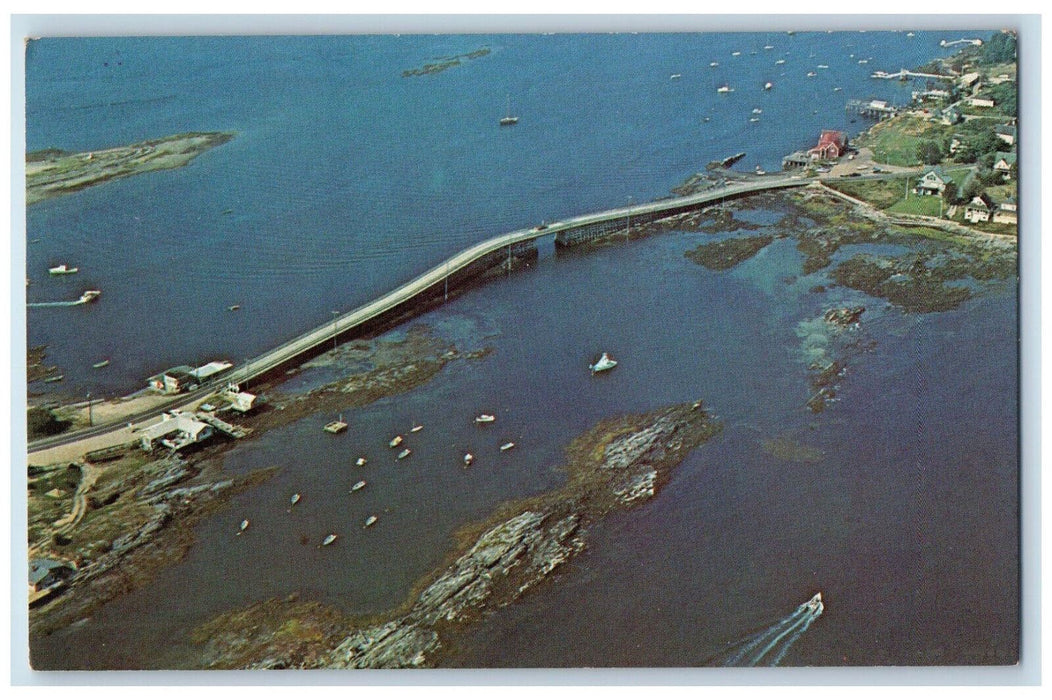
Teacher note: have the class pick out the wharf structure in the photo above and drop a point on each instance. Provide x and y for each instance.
(433, 287)
(873, 109)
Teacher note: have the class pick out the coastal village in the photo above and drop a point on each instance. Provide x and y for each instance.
(948, 156)
(945, 164)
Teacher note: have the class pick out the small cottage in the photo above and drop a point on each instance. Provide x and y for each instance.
(981, 102)
(933, 182)
(979, 209)
(1005, 163)
(1006, 212)
(175, 431)
(1006, 132)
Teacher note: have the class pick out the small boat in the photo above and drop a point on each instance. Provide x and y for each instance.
(603, 364)
(233, 307)
(329, 539)
(243, 526)
(101, 364)
(768, 47)
(863, 62)
(675, 76)
(707, 119)
(754, 119)
(509, 120)
(713, 64)
(736, 53)
(405, 453)
(822, 65)
(768, 86)
(760, 171)
(811, 74)
(724, 89)
(89, 296)
(507, 446)
(485, 418)
(56, 378)
(361, 461)
(295, 499)
(468, 459)
(416, 428)
(757, 110)
(226, 211)
(336, 426)
(910, 34)
(395, 441)
(369, 521)
(62, 269)
(815, 605)
(780, 62)
(836, 89)
(359, 486)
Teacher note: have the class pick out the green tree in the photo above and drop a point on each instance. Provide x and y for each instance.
(1006, 97)
(929, 152)
(1001, 48)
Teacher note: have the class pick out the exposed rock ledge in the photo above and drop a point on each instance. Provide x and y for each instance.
(617, 464)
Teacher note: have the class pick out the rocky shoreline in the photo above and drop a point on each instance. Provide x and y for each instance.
(618, 464)
(136, 514)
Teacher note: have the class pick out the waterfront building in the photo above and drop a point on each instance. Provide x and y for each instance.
(175, 431)
(981, 102)
(1006, 212)
(831, 145)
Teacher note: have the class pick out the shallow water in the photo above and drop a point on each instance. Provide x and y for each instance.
(347, 179)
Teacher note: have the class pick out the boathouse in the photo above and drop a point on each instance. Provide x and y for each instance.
(831, 145)
(173, 380)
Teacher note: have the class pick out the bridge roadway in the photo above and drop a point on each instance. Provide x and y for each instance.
(437, 275)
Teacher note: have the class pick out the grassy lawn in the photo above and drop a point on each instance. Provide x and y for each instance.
(895, 141)
(880, 193)
(928, 205)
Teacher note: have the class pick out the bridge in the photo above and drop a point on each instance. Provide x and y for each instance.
(433, 286)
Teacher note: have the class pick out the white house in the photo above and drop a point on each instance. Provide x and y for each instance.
(979, 209)
(175, 431)
(1003, 163)
(980, 102)
(933, 182)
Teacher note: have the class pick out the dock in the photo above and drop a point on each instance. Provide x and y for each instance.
(235, 431)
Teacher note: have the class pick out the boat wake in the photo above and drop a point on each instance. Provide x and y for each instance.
(45, 304)
(769, 647)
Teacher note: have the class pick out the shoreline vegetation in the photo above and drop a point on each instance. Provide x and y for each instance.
(445, 63)
(52, 172)
(618, 464)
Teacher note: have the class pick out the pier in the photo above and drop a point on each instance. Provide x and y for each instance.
(904, 74)
(433, 287)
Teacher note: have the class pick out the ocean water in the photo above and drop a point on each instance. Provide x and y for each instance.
(347, 179)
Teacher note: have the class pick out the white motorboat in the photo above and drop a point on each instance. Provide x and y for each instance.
(780, 62)
(242, 527)
(233, 307)
(62, 269)
(369, 521)
(811, 74)
(507, 446)
(736, 53)
(468, 459)
(361, 461)
(395, 441)
(101, 364)
(359, 486)
(603, 364)
(724, 89)
(405, 453)
(768, 86)
(329, 539)
(757, 110)
(416, 428)
(89, 296)
(675, 76)
(485, 418)
(295, 499)
(815, 605)
(713, 64)
(768, 47)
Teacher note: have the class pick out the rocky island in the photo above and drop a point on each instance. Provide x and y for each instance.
(52, 172)
(618, 464)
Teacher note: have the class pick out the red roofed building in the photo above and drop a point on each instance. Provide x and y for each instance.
(831, 145)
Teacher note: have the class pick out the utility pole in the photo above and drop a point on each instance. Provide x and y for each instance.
(90, 422)
(446, 297)
(335, 315)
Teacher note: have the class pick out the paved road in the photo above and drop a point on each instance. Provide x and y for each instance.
(325, 333)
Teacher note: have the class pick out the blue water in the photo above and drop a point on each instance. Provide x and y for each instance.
(347, 179)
